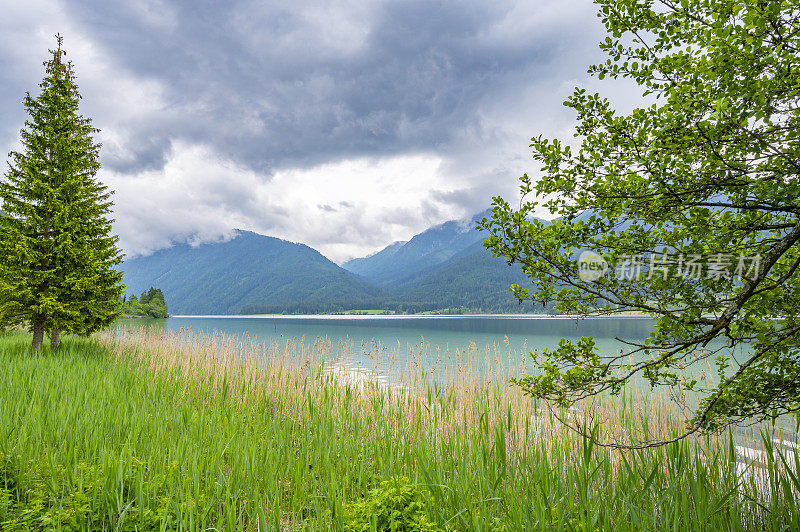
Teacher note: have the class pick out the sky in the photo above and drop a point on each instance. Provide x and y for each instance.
(343, 125)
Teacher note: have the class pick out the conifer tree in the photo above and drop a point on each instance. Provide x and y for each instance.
(57, 253)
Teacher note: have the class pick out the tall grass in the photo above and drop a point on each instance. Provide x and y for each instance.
(140, 430)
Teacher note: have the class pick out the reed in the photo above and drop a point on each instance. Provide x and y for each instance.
(146, 430)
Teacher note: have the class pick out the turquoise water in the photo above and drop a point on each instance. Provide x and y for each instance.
(445, 332)
(382, 344)
(375, 340)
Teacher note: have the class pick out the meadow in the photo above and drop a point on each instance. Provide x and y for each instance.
(145, 430)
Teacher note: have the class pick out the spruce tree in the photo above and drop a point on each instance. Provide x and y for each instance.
(57, 252)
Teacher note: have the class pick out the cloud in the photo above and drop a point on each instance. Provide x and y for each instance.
(345, 126)
(200, 196)
(281, 84)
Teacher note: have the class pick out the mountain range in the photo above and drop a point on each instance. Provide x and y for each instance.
(398, 261)
(445, 268)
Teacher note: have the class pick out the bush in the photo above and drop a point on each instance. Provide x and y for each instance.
(395, 506)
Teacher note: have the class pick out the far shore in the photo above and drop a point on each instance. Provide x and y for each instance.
(409, 316)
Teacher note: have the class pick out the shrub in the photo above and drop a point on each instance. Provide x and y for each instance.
(395, 506)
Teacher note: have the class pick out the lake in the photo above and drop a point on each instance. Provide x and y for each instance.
(383, 345)
(378, 341)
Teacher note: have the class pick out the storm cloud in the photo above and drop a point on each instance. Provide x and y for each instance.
(345, 126)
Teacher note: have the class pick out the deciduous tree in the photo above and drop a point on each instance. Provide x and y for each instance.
(707, 172)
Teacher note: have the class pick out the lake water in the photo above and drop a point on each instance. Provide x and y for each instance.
(444, 332)
(375, 340)
(383, 344)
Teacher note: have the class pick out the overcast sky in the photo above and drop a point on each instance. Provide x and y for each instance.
(345, 126)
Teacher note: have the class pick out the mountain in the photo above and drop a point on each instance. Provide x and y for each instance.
(371, 265)
(445, 267)
(427, 249)
(251, 273)
(471, 280)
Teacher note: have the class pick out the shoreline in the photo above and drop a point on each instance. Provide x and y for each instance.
(407, 316)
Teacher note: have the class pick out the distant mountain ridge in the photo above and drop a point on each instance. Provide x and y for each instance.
(434, 246)
(250, 273)
(472, 280)
(373, 264)
(445, 268)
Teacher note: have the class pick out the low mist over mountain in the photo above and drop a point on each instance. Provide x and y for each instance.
(445, 268)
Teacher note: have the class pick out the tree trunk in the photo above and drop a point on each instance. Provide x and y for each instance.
(38, 336)
(55, 339)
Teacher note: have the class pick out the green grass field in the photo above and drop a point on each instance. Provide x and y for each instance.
(144, 431)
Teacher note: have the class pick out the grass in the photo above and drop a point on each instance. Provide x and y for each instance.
(141, 430)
